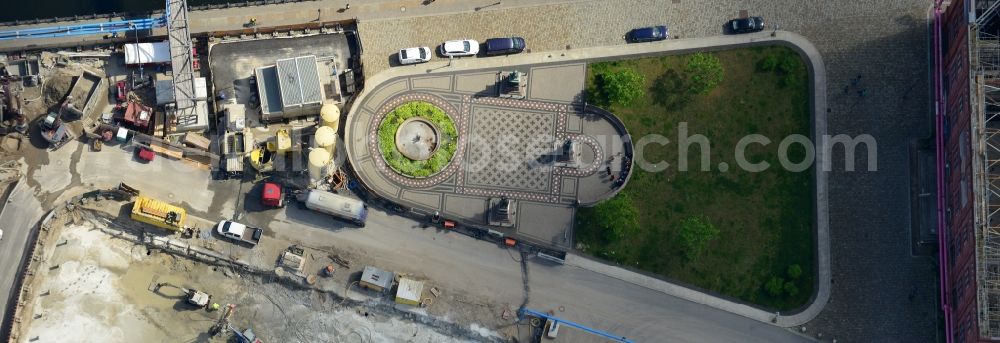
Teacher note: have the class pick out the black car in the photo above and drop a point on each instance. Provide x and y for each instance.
(504, 46)
(745, 25)
(647, 34)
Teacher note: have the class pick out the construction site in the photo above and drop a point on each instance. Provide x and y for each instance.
(101, 279)
(144, 145)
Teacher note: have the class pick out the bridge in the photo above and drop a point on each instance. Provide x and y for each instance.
(181, 62)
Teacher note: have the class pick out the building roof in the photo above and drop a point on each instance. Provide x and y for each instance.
(165, 90)
(192, 119)
(270, 91)
(377, 277)
(299, 81)
(409, 289)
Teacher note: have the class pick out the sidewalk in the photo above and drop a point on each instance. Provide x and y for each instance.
(818, 71)
(291, 14)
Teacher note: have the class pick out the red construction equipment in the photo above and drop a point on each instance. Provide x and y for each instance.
(121, 91)
(509, 242)
(146, 154)
(272, 195)
(138, 115)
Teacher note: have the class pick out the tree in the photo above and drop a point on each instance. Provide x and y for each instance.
(774, 286)
(705, 71)
(616, 217)
(696, 233)
(794, 271)
(621, 87)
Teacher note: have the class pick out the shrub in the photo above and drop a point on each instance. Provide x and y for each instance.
(768, 63)
(774, 286)
(794, 271)
(791, 289)
(616, 217)
(621, 87)
(696, 233)
(704, 71)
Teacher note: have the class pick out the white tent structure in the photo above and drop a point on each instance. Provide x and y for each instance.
(146, 53)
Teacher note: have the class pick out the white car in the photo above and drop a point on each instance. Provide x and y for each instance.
(1, 234)
(414, 55)
(465, 47)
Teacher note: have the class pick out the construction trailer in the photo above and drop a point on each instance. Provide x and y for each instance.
(158, 213)
(376, 279)
(409, 291)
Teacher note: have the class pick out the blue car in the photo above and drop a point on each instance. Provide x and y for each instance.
(647, 34)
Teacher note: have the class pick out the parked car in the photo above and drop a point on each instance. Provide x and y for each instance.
(414, 55)
(504, 46)
(647, 34)
(455, 48)
(745, 25)
(239, 232)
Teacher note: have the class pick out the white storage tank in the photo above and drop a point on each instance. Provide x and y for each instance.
(319, 162)
(330, 115)
(326, 139)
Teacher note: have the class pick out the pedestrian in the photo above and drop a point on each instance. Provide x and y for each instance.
(846, 89)
(854, 83)
(608, 170)
(347, 6)
(863, 93)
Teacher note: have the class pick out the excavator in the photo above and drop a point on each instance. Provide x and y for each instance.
(54, 130)
(10, 101)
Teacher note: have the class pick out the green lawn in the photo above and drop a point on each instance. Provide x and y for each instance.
(764, 219)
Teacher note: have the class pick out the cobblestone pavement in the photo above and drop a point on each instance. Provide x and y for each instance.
(884, 42)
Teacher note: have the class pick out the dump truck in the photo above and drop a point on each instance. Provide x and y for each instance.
(158, 213)
(239, 232)
(339, 206)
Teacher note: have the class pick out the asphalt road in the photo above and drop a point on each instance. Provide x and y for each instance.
(485, 270)
(19, 216)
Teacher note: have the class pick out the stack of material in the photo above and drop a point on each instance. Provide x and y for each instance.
(292, 261)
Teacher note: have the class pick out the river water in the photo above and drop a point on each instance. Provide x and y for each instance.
(37, 9)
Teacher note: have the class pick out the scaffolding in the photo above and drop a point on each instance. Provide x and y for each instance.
(985, 142)
(181, 61)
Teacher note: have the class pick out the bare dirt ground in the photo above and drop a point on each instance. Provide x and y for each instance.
(97, 288)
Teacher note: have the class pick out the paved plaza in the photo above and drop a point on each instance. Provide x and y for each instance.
(883, 42)
(507, 148)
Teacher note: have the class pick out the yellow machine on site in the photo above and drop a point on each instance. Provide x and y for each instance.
(262, 158)
(158, 213)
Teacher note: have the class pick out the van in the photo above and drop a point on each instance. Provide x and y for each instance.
(339, 206)
(504, 46)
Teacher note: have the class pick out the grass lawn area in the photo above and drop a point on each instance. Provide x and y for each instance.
(763, 219)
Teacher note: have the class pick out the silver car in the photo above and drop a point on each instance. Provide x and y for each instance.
(464, 47)
(414, 55)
